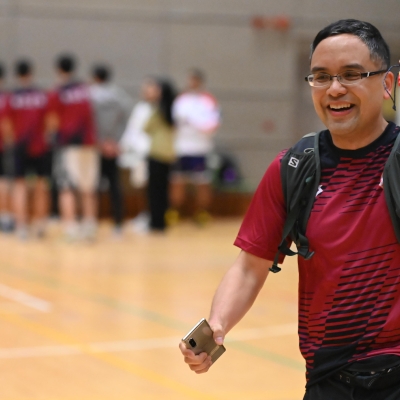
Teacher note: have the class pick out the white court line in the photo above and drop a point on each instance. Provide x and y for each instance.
(25, 299)
(135, 345)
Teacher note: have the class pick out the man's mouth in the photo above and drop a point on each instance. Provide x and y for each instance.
(340, 107)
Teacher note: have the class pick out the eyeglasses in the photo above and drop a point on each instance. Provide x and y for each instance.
(347, 78)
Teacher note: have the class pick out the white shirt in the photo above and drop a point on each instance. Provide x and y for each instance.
(197, 117)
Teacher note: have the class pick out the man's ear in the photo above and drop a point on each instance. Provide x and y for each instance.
(388, 85)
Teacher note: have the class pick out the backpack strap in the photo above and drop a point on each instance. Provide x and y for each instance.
(391, 186)
(300, 176)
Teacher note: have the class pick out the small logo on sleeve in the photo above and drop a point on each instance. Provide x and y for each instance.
(381, 182)
(293, 162)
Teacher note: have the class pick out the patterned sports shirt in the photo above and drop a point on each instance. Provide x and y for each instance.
(349, 297)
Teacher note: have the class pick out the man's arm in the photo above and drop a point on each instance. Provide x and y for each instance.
(234, 297)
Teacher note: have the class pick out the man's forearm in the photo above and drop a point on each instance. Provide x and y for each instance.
(238, 290)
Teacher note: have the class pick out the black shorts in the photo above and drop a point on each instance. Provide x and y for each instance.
(25, 164)
(2, 166)
(192, 168)
(333, 389)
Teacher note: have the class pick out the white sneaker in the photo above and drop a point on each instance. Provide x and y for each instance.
(89, 230)
(141, 223)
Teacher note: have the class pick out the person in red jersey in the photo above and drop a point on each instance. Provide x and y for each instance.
(25, 129)
(6, 216)
(349, 290)
(77, 166)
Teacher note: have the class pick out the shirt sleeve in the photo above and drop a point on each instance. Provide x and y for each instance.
(262, 227)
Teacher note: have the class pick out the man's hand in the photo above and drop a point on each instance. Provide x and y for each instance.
(199, 364)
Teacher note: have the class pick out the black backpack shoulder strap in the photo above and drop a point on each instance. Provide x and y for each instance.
(391, 186)
(300, 176)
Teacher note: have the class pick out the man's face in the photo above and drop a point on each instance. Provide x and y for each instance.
(194, 83)
(349, 112)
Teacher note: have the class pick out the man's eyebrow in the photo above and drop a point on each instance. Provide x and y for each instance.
(347, 66)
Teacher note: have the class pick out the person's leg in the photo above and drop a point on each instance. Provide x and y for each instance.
(19, 191)
(67, 205)
(111, 172)
(40, 205)
(88, 178)
(177, 191)
(6, 217)
(65, 172)
(203, 196)
(20, 202)
(41, 165)
(158, 193)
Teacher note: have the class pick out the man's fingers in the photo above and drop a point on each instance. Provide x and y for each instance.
(196, 360)
(203, 366)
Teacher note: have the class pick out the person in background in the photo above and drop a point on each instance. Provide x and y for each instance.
(160, 128)
(25, 129)
(112, 106)
(77, 163)
(197, 117)
(135, 144)
(6, 216)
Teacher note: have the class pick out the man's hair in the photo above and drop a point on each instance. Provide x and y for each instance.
(23, 68)
(2, 70)
(101, 72)
(198, 74)
(368, 34)
(66, 63)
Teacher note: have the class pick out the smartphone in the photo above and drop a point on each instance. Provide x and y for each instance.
(200, 339)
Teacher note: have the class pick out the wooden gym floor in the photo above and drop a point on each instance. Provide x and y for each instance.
(103, 321)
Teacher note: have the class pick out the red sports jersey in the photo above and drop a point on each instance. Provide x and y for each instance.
(26, 109)
(71, 103)
(3, 103)
(349, 290)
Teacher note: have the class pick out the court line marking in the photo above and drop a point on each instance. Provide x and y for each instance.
(138, 344)
(110, 359)
(149, 315)
(25, 299)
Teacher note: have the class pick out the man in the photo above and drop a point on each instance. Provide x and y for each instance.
(197, 117)
(349, 314)
(112, 108)
(25, 129)
(77, 169)
(6, 217)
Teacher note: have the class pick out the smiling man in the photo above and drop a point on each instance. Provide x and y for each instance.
(349, 289)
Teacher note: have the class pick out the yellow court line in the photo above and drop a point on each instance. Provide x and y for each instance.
(117, 362)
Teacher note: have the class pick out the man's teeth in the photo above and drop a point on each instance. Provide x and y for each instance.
(339, 107)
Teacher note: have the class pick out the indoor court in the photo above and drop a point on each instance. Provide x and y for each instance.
(102, 321)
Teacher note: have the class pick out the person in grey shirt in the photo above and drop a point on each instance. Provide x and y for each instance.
(112, 106)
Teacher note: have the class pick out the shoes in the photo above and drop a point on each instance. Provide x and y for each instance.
(202, 218)
(172, 217)
(141, 223)
(117, 233)
(7, 224)
(22, 233)
(89, 230)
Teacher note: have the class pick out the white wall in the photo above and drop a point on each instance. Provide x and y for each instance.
(257, 75)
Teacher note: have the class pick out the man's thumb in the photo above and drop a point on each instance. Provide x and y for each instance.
(219, 336)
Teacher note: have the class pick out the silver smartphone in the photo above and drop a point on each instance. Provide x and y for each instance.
(200, 339)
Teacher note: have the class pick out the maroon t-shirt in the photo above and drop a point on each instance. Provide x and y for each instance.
(349, 297)
(3, 103)
(71, 103)
(26, 108)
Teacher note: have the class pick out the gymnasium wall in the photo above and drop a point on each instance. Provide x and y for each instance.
(257, 74)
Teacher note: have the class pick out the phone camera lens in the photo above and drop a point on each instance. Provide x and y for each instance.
(192, 342)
